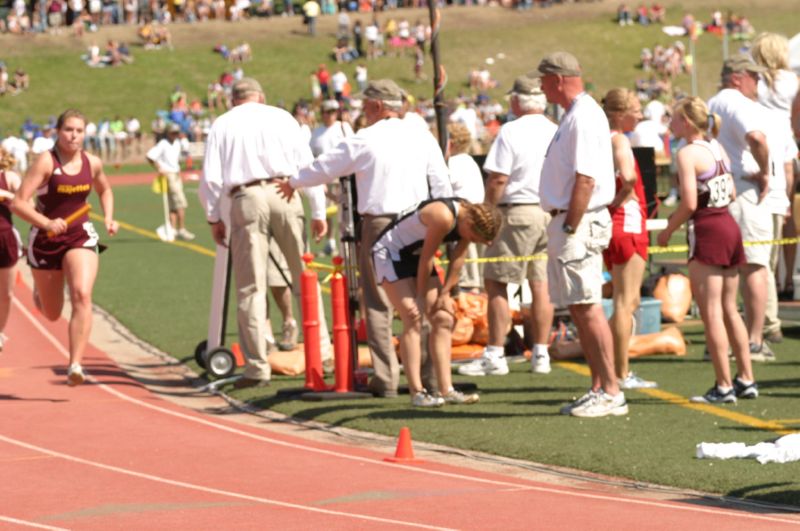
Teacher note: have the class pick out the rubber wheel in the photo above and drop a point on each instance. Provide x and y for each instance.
(200, 353)
(221, 363)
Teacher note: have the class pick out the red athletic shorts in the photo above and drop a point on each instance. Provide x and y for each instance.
(10, 246)
(622, 247)
(48, 253)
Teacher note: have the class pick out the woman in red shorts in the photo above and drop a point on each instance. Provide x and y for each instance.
(715, 247)
(59, 250)
(626, 255)
(9, 238)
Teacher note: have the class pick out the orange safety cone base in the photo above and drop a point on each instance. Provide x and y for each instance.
(317, 383)
(405, 451)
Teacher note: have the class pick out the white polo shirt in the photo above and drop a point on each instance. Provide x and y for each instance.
(394, 165)
(518, 151)
(782, 149)
(167, 155)
(253, 141)
(324, 138)
(466, 178)
(740, 115)
(582, 145)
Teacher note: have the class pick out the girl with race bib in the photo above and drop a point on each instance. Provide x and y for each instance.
(715, 247)
(62, 249)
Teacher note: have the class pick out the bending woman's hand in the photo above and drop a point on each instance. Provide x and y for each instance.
(444, 302)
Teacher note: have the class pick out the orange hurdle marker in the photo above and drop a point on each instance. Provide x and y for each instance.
(404, 452)
(72, 217)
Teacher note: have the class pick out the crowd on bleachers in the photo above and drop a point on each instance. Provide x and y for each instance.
(56, 16)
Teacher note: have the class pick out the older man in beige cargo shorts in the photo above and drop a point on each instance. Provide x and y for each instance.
(577, 186)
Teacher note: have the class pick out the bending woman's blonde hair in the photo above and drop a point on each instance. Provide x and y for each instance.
(486, 219)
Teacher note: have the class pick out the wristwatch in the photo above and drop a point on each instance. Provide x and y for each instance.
(567, 228)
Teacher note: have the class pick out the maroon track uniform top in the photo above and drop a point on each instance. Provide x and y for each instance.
(61, 196)
(9, 239)
(714, 237)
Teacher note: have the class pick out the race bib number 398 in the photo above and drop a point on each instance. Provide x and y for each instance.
(720, 188)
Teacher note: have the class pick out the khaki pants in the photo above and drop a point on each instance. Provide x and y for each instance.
(379, 318)
(772, 323)
(258, 213)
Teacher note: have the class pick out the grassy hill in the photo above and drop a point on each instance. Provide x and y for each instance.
(284, 56)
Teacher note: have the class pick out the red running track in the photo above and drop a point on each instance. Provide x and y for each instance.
(111, 454)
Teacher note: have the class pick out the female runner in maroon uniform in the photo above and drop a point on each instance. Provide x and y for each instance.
(626, 255)
(715, 247)
(9, 238)
(59, 251)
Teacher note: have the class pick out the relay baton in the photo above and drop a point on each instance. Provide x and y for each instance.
(86, 207)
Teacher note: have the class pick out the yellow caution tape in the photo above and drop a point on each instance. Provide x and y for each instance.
(651, 250)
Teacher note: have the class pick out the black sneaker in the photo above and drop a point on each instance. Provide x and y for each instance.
(715, 396)
(744, 390)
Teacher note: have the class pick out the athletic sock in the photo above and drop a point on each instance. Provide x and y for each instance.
(540, 350)
(724, 390)
(493, 351)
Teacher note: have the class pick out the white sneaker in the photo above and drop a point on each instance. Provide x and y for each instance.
(485, 366)
(541, 364)
(603, 405)
(424, 399)
(75, 375)
(457, 397)
(580, 402)
(633, 381)
(184, 235)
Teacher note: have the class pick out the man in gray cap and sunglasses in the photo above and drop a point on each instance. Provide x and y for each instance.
(577, 185)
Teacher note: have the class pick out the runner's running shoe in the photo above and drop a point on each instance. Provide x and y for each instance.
(715, 396)
(744, 390)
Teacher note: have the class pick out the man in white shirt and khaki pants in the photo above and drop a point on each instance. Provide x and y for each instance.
(396, 168)
(249, 148)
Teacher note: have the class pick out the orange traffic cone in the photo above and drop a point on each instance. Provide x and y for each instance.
(404, 452)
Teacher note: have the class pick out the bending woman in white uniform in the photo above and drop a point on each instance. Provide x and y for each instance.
(403, 255)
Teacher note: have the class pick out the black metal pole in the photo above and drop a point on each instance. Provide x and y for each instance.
(439, 76)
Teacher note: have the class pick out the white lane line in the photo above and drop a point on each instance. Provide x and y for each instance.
(29, 524)
(211, 490)
(451, 475)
